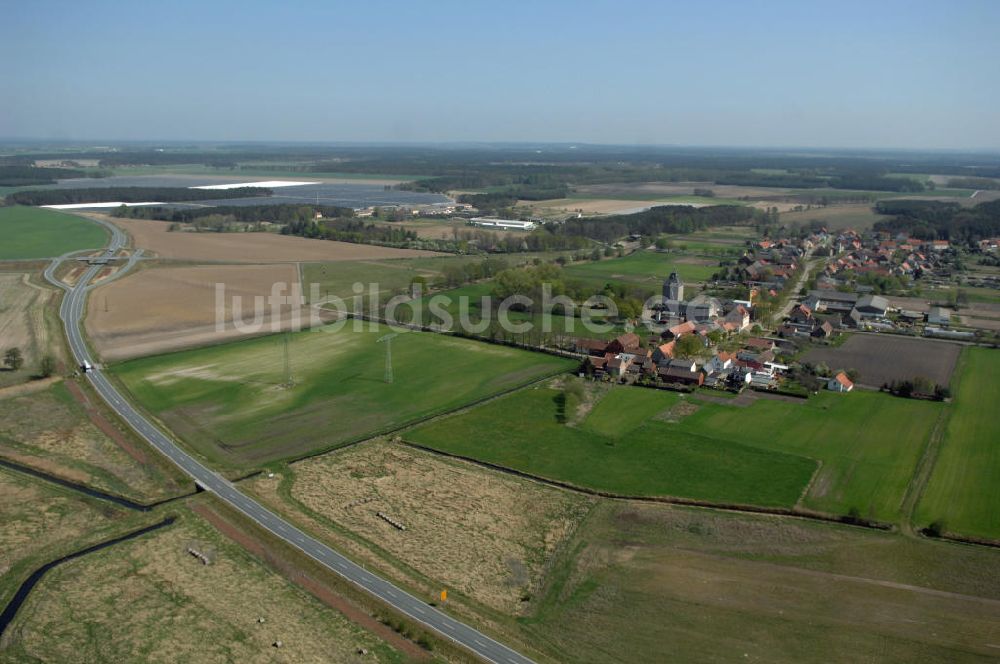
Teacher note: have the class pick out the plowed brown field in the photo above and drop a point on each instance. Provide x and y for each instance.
(166, 308)
(155, 237)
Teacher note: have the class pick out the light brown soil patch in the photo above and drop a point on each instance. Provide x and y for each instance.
(155, 237)
(486, 535)
(29, 388)
(678, 412)
(22, 322)
(150, 600)
(166, 308)
(315, 587)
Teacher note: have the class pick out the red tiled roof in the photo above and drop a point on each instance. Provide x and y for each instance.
(843, 379)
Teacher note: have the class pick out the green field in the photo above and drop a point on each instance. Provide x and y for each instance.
(869, 443)
(646, 266)
(653, 459)
(964, 488)
(393, 275)
(475, 313)
(37, 233)
(836, 217)
(865, 445)
(232, 403)
(706, 249)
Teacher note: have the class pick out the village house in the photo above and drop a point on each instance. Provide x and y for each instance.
(681, 376)
(664, 352)
(872, 306)
(720, 362)
(626, 343)
(840, 383)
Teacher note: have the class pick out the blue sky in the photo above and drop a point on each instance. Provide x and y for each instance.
(882, 73)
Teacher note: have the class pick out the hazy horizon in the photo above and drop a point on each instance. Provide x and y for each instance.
(851, 76)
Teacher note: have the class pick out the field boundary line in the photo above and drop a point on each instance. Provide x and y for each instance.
(922, 475)
(809, 485)
(420, 420)
(792, 512)
(79, 487)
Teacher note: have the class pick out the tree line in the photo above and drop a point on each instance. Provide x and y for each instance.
(351, 230)
(658, 220)
(130, 195)
(937, 220)
(21, 176)
(279, 214)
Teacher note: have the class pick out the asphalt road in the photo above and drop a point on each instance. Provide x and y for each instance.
(71, 312)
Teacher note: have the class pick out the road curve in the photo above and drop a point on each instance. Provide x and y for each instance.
(72, 311)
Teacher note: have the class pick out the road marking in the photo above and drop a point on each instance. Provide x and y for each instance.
(72, 308)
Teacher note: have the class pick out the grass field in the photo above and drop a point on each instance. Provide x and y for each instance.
(869, 443)
(642, 442)
(836, 217)
(392, 275)
(24, 323)
(42, 522)
(654, 459)
(640, 580)
(722, 234)
(149, 600)
(232, 403)
(484, 535)
(646, 266)
(37, 233)
(964, 488)
(50, 431)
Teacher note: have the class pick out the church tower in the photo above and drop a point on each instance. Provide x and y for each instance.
(673, 288)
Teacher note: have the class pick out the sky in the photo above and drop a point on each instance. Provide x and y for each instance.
(804, 73)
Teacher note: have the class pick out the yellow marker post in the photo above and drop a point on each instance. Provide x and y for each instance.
(444, 595)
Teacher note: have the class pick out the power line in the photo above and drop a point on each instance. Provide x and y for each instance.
(387, 339)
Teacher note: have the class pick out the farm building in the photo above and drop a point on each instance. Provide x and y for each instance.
(840, 383)
(831, 300)
(682, 376)
(872, 306)
(504, 224)
(938, 316)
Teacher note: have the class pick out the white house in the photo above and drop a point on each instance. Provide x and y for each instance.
(720, 362)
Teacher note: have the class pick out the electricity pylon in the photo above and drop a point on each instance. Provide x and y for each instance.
(289, 381)
(388, 355)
